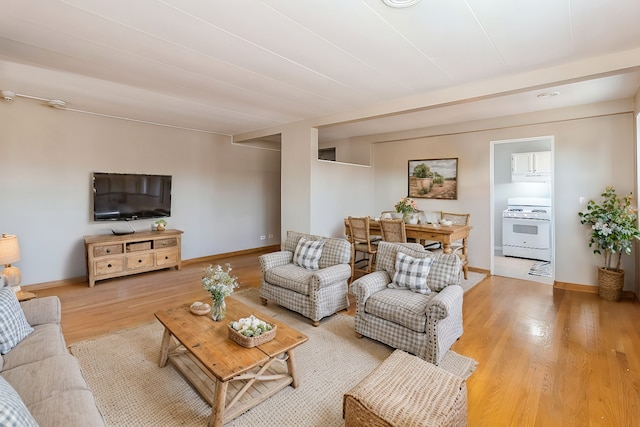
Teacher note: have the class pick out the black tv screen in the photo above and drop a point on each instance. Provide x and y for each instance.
(124, 196)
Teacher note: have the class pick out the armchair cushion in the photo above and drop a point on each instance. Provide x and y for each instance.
(334, 251)
(307, 254)
(444, 271)
(290, 277)
(400, 306)
(411, 273)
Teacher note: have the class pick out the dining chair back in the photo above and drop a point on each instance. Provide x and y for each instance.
(456, 247)
(361, 241)
(456, 218)
(393, 230)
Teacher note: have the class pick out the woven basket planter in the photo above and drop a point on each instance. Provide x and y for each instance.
(610, 284)
(249, 342)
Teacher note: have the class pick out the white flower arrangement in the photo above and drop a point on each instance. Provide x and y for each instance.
(220, 283)
(251, 326)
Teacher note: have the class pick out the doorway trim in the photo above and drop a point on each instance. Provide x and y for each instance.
(550, 139)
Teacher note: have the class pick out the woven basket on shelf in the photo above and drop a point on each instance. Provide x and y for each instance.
(610, 284)
(249, 342)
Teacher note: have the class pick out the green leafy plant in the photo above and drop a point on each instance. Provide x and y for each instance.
(422, 171)
(161, 221)
(613, 226)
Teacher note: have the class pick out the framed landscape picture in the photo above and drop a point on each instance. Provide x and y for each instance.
(433, 179)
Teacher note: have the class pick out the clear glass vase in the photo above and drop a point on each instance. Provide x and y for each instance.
(218, 309)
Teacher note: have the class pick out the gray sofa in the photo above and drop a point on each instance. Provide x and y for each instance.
(46, 377)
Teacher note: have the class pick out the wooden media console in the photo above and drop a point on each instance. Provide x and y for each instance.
(110, 256)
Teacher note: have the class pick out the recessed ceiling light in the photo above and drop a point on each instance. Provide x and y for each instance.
(400, 3)
(548, 94)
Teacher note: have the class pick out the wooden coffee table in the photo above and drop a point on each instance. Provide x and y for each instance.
(231, 378)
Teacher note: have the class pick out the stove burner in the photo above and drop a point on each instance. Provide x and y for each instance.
(515, 209)
(539, 210)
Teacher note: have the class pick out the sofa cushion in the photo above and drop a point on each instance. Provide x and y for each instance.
(80, 410)
(13, 325)
(13, 412)
(37, 381)
(411, 273)
(290, 277)
(45, 341)
(307, 254)
(39, 311)
(401, 306)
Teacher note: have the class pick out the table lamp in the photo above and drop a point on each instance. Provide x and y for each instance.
(10, 253)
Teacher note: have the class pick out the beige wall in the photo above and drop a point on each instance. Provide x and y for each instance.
(590, 153)
(224, 196)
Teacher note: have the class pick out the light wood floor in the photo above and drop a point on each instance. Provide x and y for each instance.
(546, 357)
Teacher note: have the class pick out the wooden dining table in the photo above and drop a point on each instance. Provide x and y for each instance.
(427, 232)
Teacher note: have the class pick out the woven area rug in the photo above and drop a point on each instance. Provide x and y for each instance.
(540, 268)
(131, 390)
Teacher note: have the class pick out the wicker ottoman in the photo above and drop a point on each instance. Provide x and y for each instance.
(406, 391)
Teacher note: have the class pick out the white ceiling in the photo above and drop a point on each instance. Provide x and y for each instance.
(244, 65)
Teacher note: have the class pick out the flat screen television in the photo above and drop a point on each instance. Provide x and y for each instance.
(128, 196)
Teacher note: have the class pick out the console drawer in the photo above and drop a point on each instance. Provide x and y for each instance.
(166, 243)
(109, 265)
(166, 258)
(107, 250)
(138, 246)
(135, 262)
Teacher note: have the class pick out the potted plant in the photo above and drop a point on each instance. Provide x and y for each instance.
(423, 177)
(406, 207)
(160, 224)
(613, 228)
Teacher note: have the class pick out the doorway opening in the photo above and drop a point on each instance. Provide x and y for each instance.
(522, 208)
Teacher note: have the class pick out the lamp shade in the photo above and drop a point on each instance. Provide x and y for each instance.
(9, 249)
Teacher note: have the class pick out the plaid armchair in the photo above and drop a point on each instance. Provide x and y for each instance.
(424, 325)
(314, 293)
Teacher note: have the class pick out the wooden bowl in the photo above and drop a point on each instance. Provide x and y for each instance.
(200, 309)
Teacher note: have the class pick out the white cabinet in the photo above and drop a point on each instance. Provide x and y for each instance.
(531, 167)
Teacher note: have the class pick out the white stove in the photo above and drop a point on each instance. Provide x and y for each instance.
(526, 228)
(528, 207)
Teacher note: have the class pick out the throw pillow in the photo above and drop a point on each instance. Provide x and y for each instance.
(13, 325)
(13, 412)
(411, 273)
(307, 254)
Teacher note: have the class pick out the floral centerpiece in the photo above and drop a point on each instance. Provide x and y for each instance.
(613, 228)
(406, 206)
(220, 284)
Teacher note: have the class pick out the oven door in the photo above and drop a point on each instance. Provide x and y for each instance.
(526, 238)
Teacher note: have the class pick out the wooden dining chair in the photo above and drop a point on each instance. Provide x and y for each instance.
(361, 241)
(393, 230)
(456, 247)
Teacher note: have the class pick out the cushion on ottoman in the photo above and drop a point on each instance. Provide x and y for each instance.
(405, 390)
